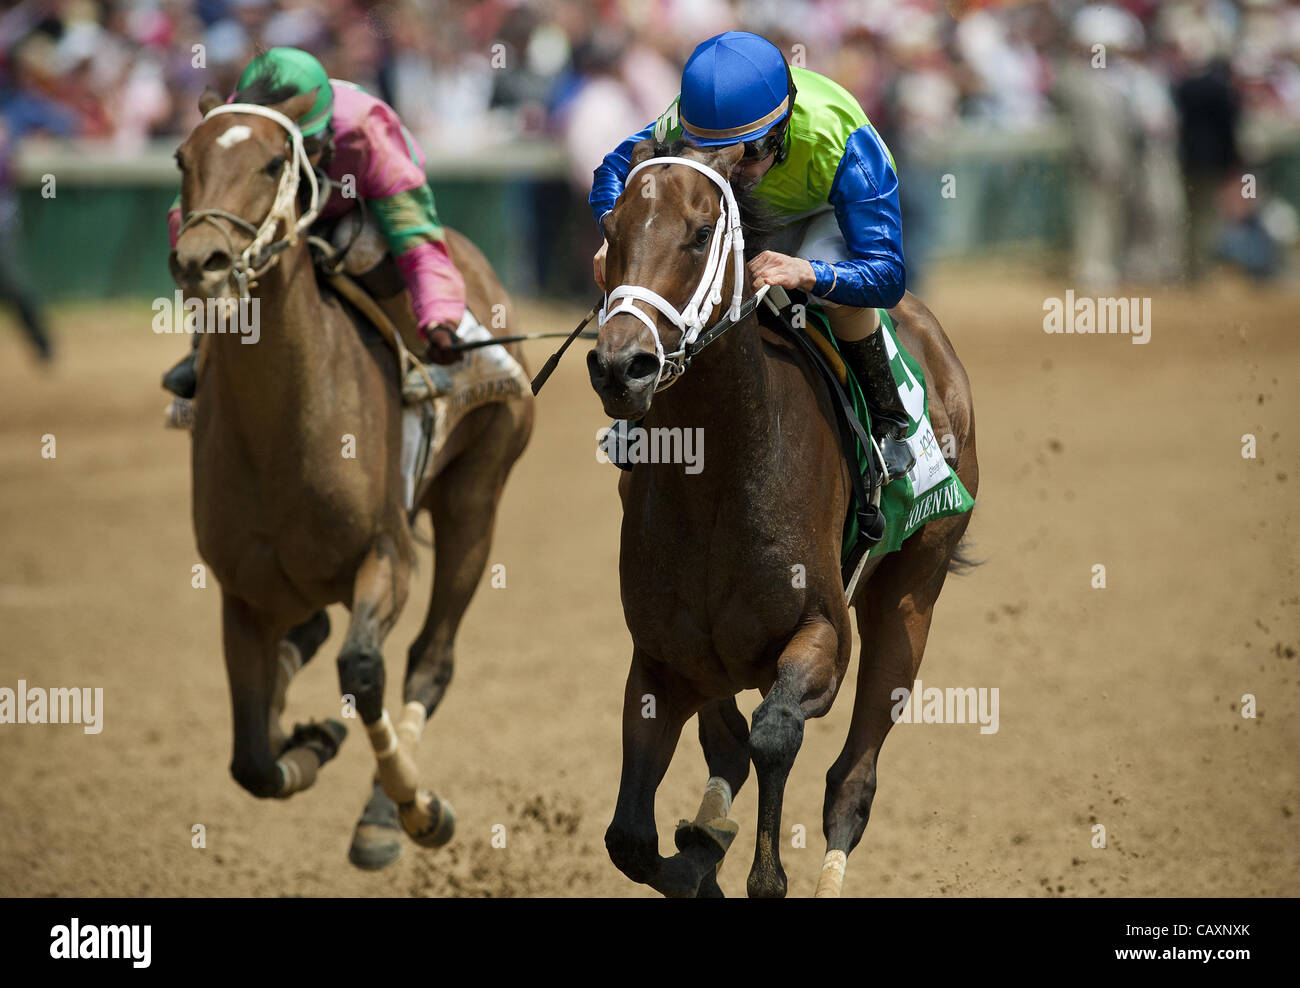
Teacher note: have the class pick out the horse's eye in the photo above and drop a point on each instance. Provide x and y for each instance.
(702, 235)
(273, 168)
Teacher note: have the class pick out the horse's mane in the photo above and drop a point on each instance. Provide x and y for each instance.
(270, 88)
(265, 90)
(756, 216)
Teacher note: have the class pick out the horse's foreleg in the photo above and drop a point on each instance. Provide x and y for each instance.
(248, 642)
(724, 736)
(250, 639)
(294, 651)
(806, 681)
(653, 715)
(893, 623)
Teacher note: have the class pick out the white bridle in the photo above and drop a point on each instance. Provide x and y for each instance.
(691, 321)
(246, 268)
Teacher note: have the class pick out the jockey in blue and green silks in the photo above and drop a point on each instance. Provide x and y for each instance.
(813, 157)
(369, 144)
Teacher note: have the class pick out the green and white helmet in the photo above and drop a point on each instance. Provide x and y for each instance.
(301, 71)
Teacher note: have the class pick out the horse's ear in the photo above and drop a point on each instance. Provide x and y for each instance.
(643, 150)
(725, 158)
(208, 100)
(297, 107)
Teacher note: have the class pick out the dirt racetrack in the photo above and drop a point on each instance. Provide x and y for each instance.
(1118, 706)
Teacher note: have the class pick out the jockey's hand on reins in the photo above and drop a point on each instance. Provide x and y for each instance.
(442, 338)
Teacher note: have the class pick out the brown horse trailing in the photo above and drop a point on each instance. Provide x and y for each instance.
(707, 556)
(287, 520)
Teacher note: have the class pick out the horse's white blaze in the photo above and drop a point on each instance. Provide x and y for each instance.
(831, 883)
(235, 134)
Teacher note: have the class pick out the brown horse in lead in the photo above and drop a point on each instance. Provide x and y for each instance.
(708, 558)
(286, 519)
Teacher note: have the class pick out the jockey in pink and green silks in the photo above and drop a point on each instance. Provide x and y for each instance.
(376, 155)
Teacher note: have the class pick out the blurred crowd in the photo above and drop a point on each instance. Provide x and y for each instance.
(1156, 126)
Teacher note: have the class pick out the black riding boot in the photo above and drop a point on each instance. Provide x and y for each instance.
(889, 419)
(182, 380)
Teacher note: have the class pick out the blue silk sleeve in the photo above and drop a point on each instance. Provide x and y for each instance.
(865, 196)
(607, 184)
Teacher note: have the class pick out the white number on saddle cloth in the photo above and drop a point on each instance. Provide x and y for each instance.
(481, 376)
(912, 393)
(930, 468)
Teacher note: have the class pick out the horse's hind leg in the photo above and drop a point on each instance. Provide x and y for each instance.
(894, 613)
(808, 675)
(724, 736)
(463, 505)
(250, 639)
(379, 591)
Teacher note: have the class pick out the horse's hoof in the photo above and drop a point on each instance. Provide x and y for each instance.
(709, 887)
(322, 737)
(377, 840)
(428, 820)
(680, 876)
(713, 837)
(766, 883)
(374, 848)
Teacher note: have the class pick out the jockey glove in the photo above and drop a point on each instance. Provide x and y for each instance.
(441, 338)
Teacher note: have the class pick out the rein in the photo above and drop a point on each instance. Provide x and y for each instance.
(263, 251)
(746, 310)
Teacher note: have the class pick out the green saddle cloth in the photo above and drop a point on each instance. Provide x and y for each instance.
(931, 489)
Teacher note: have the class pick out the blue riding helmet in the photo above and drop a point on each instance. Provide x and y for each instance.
(735, 87)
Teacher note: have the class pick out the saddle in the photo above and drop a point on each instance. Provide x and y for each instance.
(353, 260)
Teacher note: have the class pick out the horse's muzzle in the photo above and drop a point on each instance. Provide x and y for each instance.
(625, 381)
(200, 269)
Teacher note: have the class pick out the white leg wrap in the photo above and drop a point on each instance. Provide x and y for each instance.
(382, 737)
(719, 785)
(289, 773)
(411, 727)
(831, 883)
(290, 659)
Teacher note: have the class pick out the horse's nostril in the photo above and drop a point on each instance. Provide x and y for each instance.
(218, 260)
(642, 366)
(596, 367)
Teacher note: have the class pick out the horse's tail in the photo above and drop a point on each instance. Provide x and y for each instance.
(962, 561)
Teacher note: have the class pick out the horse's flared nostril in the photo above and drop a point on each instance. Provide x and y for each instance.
(217, 261)
(642, 367)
